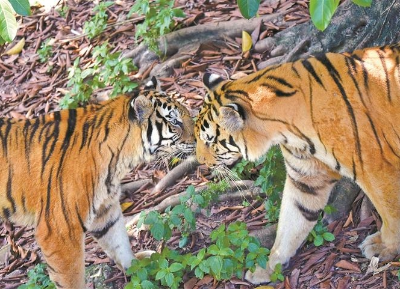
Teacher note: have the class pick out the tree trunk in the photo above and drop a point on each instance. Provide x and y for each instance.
(352, 27)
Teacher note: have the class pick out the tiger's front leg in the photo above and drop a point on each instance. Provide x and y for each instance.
(304, 197)
(108, 228)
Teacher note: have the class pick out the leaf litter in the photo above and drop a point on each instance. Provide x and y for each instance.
(29, 88)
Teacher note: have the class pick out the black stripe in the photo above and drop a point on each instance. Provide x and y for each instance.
(232, 94)
(364, 70)
(9, 190)
(311, 145)
(390, 146)
(398, 68)
(304, 188)
(110, 170)
(337, 167)
(50, 141)
(85, 134)
(310, 215)
(296, 170)
(295, 70)
(351, 70)
(80, 218)
(375, 133)
(382, 58)
(63, 206)
(101, 232)
(308, 66)
(6, 213)
(336, 78)
(48, 202)
(280, 80)
(262, 73)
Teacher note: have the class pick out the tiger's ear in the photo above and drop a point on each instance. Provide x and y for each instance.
(211, 80)
(152, 84)
(142, 107)
(231, 118)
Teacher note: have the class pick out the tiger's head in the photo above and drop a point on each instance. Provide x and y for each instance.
(167, 126)
(231, 124)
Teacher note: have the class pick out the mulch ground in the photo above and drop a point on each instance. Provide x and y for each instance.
(29, 88)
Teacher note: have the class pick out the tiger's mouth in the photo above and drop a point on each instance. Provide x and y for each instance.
(228, 163)
(187, 148)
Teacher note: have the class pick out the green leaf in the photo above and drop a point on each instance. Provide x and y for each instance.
(248, 8)
(8, 23)
(178, 13)
(328, 236)
(318, 241)
(169, 279)
(22, 7)
(175, 267)
(157, 231)
(161, 274)
(363, 3)
(215, 263)
(321, 12)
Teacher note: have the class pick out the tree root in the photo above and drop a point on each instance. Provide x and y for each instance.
(178, 44)
(185, 167)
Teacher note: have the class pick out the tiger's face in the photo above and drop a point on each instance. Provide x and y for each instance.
(166, 124)
(218, 141)
(229, 127)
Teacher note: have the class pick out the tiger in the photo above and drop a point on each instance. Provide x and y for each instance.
(333, 115)
(62, 173)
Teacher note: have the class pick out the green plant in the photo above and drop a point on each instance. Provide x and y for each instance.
(277, 274)
(319, 234)
(158, 20)
(107, 69)
(63, 11)
(45, 51)
(98, 22)
(38, 279)
(181, 217)
(8, 23)
(231, 252)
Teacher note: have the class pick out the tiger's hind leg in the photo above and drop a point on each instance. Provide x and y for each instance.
(63, 250)
(385, 244)
(108, 228)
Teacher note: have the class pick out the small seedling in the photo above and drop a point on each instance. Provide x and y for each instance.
(158, 20)
(45, 51)
(98, 23)
(38, 279)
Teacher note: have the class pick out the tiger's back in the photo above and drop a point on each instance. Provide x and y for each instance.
(333, 115)
(62, 173)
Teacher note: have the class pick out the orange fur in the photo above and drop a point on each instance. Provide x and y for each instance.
(333, 115)
(61, 173)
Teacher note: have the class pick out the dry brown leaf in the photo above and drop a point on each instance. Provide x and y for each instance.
(348, 265)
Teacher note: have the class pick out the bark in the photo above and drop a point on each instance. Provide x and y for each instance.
(352, 27)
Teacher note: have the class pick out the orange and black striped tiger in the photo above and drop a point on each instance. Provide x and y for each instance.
(61, 173)
(333, 115)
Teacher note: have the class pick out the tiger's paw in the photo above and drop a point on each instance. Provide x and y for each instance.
(259, 276)
(373, 246)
